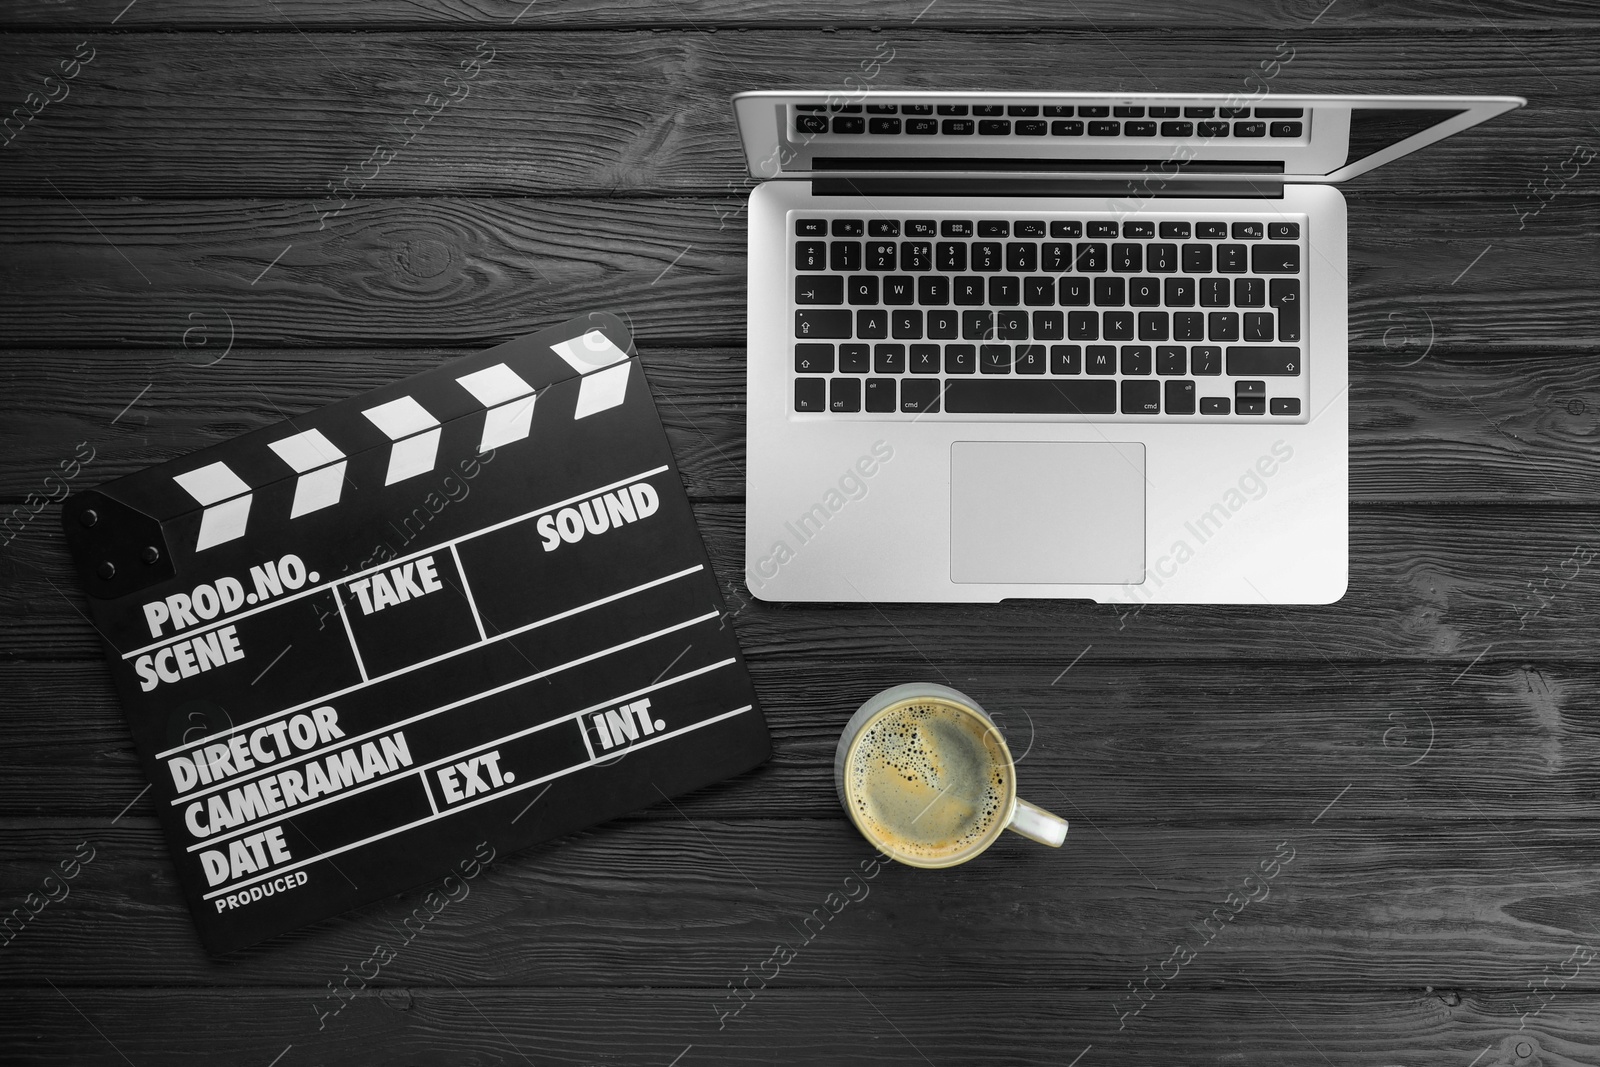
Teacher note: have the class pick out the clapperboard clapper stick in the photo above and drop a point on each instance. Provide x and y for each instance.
(469, 606)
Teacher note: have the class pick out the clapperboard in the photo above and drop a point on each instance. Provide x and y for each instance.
(472, 605)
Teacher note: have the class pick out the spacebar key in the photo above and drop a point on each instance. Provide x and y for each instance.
(1001, 397)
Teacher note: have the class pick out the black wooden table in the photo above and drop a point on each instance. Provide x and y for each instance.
(233, 212)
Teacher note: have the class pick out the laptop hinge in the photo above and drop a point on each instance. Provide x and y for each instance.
(1262, 188)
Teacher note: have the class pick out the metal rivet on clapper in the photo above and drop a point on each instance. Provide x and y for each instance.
(150, 554)
(106, 570)
(88, 517)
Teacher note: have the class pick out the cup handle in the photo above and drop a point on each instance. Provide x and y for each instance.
(1036, 824)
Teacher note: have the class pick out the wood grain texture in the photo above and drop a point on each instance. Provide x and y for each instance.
(285, 115)
(1424, 427)
(689, 902)
(458, 272)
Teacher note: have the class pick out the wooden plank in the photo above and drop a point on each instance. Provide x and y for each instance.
(1352, 903)
(1424, 427)
(472, 272)
(613, 114)
(1013, 1024)
(1429, 583)
(1368, 16)
(1241, 742)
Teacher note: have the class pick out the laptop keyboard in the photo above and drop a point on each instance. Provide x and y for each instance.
(1047, 120)
(1174, 318)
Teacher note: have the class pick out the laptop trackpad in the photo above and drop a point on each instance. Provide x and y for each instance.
(1047, 512)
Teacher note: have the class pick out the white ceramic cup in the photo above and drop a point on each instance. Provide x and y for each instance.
(1017, 815)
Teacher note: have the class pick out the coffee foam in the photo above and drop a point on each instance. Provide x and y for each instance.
(928, 779)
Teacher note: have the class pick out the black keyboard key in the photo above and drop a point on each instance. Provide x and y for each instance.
(1214, 292)
(1211, 231)
(1163, 112)
(1003, 290)
(883, 228)
(1247, 231)
(933, 291)
(1197, 259)
(977, 325)
(1066, 359)
(1279, 112)
(994, 128)
(810, 227)
(1100, 359)
(1188, 326)
(1103, 228)
(952, 109)
(1179, 397)
(1251, 390)
(1141, 398)
(1064, 228)
(921, 228)
(1249, 292)
(862, 289)
(810, 124)
(881, 109)
(1171, 360)
(899, 290)
(888, 359)
(1250, 406)
(810, 394)
(1127, 258)
(968, 289)
(955, 228)
(956, 127)
(1057, 256)
(1030, 359)
(1212, 129)
(1223, 326)
(960, 359)
(1258, 326)
(1152, 325)
(1174, 231)
(1025, 110)
(1161, 258)
(1275, 259)
(1144, 292)
(1207, 359)
(1074, 292)
(993, 396)
(813, 359)
(1215, 405)
(1058, 111)
(917, 397)
(880, 394)
(1199, 112)
(906, 325)
(1249, 129)
(1038, 292)
(1128, 112)
(1234, 112)
(922, 127)
(1135, 359)
(924, 359)
(1094, 111)
(988, 110)
(855, 359)
(1083, 325)
(1276, 362)
(950, 255)
(1138, 229)
(1231, 259)
(1028, 228)
(844, 256)
(844, 394)
(1284, 129)
(1091, 256)
(817, 324)
(848, 227)
(1137, 129)
(811, 255)
(872, 324)
(1117, 325)
(1285, 405)
(845, 109)
(1049, 325)
(1066, 128)
(1110, 292)
(1105, 129)
(943, 325)
(1022, 257)
(1177, 129)
(883, 125)
(818, 289)
(1283, 231)
(1179, 292)
(994, 228)
(916, 109)
(994, 359)
(987, 256)
(916, 255)
(1032, 128)
(1013, 325)
(849, 124)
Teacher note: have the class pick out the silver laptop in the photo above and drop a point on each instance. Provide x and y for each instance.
(1069, 345)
